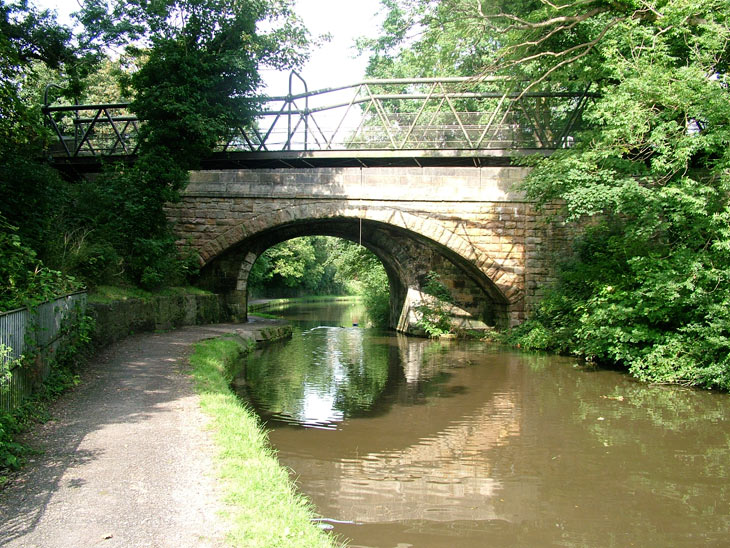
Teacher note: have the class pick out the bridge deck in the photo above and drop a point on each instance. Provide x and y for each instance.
(326, 159)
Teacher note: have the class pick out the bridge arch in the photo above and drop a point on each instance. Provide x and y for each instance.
(408, 244)
(491, 244)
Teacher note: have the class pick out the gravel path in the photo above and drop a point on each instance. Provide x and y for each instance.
(126, 461)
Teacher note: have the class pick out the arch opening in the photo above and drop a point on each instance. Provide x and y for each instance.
(308, 266)
(407, 257)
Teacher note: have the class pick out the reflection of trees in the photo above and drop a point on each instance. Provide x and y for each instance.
(319, 376)
(611, 462)
(661, 454)
(366, 371)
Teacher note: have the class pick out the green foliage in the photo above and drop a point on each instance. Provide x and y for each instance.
(317, 265)
(7, 364)
(363, 272)
(195, 85)
(191, 68)
(648, 287)
(375, 290)
(434, 317)
(300, 266)
(24, 281)
(649, 174)
(64, 368)
(422, 38)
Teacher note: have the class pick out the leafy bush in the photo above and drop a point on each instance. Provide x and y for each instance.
(23, 278)
(664, 315)
(375, 291)
(95, 263)
(360, 270)
(434, 317)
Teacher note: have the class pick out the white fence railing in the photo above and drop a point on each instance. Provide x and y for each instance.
(37, 332)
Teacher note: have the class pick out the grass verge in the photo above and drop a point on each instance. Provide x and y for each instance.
(264, 509)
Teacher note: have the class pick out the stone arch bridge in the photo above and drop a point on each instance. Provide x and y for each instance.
(489, 245)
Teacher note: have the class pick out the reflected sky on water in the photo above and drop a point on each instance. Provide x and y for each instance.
(427, 443)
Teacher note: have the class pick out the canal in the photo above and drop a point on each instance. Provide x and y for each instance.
(405, 442)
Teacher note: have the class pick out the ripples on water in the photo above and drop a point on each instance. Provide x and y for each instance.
(426, 443)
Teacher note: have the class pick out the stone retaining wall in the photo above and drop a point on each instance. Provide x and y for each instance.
(116, 320)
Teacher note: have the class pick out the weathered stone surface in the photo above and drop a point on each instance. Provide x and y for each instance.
(121, 318)
(467, 224)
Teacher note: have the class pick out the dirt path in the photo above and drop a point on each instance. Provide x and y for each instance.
(126, 460)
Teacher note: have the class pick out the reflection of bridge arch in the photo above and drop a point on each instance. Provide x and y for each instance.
(441, 467)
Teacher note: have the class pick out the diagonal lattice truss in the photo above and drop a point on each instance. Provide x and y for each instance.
(396, 114)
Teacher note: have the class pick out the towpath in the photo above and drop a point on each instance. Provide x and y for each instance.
(126, 460)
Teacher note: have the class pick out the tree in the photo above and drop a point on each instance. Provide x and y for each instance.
(31, 42)
(305, 265)
(201, 58)
(421, 38)
(196, 83)
(363, 272)
(291, 267)
(648, 287)
(649, 175)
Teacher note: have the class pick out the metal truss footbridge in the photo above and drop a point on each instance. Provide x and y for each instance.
(388, 122)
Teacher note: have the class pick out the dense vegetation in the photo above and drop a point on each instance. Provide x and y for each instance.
(190, 68)
(648, 178)
(319, 265)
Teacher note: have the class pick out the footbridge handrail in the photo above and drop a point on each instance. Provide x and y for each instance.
(396, 114)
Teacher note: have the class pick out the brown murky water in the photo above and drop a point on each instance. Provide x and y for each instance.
(411, 442)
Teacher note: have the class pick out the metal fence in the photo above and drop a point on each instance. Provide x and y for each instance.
(28, 341)
(451, 113)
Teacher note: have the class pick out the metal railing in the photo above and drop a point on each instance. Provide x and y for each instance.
(396, 114)
(38, 333)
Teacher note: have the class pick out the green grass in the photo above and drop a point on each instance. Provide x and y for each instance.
(105, 294)
(264, 509)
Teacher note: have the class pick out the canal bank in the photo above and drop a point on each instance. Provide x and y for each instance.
(129, 458)
(263, 506)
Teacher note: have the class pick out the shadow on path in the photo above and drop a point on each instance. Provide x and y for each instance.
(126, 460)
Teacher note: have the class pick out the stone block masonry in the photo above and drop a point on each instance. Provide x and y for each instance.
(117, 320)
(492, 245)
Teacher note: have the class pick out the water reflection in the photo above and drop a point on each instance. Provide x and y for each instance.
(457, 444)
(441, 477)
